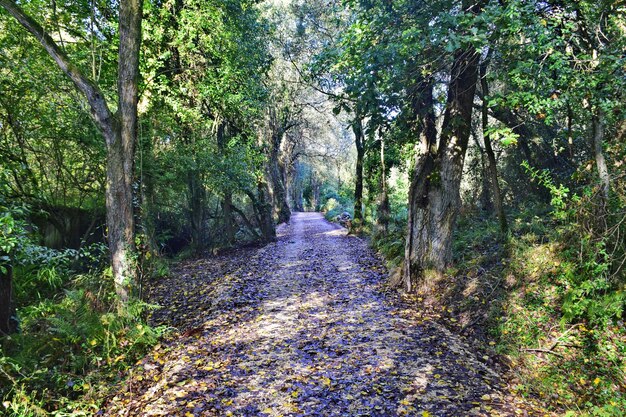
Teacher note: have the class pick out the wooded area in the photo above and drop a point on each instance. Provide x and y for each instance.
(479, 147)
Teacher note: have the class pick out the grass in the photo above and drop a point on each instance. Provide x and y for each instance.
(571, 364)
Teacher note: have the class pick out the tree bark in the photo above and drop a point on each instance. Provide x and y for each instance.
(227, 200)
(597, 123)
(8, 323)
(434, 196)
(279, 193)
(485, 192)
(121, 153)
(264, 209)
(278, 128)
(491, 157)
(359, 140)
(227, 212)
(383, 201)
(422, 104)
(197, 210)
(119, 131)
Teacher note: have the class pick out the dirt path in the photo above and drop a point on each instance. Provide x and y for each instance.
(303, 327)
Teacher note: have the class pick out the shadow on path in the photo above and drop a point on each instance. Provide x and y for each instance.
(302, 327)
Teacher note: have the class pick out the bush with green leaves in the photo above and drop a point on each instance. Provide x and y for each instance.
(336, 202)
(71, 348)
(562, 321)
(73, 340)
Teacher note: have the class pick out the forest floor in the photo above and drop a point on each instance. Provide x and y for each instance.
(304, 327)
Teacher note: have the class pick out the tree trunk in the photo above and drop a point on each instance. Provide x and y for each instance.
(383, 201)
(227, 211)
(485, 191)
(434, 196)
(264, 209)
(227, 200)
(359, 140)
(415, 246)
(120, 221)
(278, 127)
(279, 193)
(197, 212)
(597, 124)
(119, 131)
(491, 157)
(8, 323)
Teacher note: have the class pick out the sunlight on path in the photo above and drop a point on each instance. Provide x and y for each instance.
(306, 329)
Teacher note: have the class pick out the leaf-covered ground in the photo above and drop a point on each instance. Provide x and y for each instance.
(304, 327)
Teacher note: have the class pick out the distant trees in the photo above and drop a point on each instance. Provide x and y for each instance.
(419, 72)
(531, 81)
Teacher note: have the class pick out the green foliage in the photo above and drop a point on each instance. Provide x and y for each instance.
(334, 202)
(568, 300)
(71, 342)
(332, 208)
(558, 193)
(391, 245)
(12, 234)
(71, 348)
(554, 316)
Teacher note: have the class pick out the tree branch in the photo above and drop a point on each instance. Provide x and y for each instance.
(99, 108)
(245, 220)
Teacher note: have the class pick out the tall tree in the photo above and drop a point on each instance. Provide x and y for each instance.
(492, 167)
(280, 121)
(434, 195)
(119, 130)
(359, 141)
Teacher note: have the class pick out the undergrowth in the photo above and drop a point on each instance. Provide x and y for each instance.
(555, 306)
(73, 344)
(335, 207)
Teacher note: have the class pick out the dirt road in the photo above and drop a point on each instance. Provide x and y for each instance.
(302, 327)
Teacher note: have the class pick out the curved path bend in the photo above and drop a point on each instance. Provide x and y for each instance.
(303, 327)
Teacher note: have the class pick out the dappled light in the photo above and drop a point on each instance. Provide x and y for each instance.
(318, 337)
(273, 208)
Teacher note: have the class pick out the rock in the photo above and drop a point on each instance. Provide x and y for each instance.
(344, 219)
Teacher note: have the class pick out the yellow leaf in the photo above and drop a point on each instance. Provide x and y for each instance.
(426, 414)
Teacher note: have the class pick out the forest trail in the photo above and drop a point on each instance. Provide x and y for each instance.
(303, 327)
